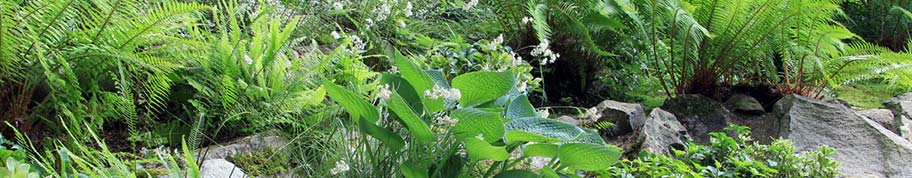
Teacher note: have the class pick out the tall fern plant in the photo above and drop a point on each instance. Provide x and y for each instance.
(78, 58)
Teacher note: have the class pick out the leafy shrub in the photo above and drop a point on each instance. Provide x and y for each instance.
(481, 113)
(732, 157)
(884, 22)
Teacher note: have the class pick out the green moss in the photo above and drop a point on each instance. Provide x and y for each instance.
(261, 163)
(867, 94)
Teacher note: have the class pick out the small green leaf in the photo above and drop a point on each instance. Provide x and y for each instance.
(588, 156)
(388, 137)
(418, 128)
(478, 149)
(480, 87)
(412, 170)
(473, 122)
(540, 130)
(540, 149)
(520, 108)
(355, 106)
(517, 174)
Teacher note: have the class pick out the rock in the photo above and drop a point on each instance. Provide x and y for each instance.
(745, 104)
(256, 142)
(569, 120)
(902, 114)
(863, 147)
(220, 168)
(882, 116)
(625, 116)
(662, 132)
(699, 114)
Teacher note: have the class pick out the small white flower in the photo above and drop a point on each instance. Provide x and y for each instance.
(402, 24)
(470, 4)
(394, 70)
(447, 121)
(543, 113)
(384, 93)
(338, 6)
(248, 59)
(383, 12)
(341, 166)
(336, 35)
(522, 87)
(357, 44)
(439, 92)
(496, 42)
(408, 9)
(526, 20)
(592, 113)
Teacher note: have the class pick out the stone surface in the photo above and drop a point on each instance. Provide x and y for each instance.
(256, 142)
(220, 168)
(569, 120)
(863, 147)
(662, 132)
(699, 114)
(625, 116)
(882, 116)
(902, 114)
(745, 104)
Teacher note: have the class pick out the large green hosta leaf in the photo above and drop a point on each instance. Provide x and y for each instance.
(418, 128)
(473, 122)
(388, 137)
(480, 87)
(478, 149)
(404, 89)
(540, 130)
(354, 105)
(588, 156)
(420, 80)
(520, 107)
(540, 149)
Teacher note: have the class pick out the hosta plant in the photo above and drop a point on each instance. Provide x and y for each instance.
(466, 126)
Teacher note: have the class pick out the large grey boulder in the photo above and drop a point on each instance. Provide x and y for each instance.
(863, 147)
(902, 111)
(883, 117)
(745, 104)
(625, 116)
(220, 168)
(699, 114)
(661, 133)
(256, 142)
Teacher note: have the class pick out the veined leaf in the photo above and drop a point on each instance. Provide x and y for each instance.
(412, 170)
(588, 156)
(480, 87)
(478, 149)
(418, 128)
(540, 130)
(473, 122)
(354, 105)
(540, 149)
(520, 108)
(420, 80)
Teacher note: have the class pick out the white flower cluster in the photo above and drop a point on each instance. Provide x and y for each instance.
(248, 59)
(383, 12)
(592, 113)
(384, 93)
(439, 92)
(471, 4)
(341, 166)
(393, 70)
(338, 6)
(408, 9)
(542, 50)
(526, 20)
(543, 113)
(336, 35)
(447, 121)
(357, 44)
(496, 42)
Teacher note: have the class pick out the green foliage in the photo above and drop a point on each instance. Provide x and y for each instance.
(261, 163)
(732, 157)
(16, 169)
(883, 22)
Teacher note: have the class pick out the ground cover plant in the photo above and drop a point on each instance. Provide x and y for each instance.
(408, 88)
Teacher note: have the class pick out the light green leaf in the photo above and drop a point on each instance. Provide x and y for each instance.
(420, 80)
(412, 170)
(588, 156)
(388, 137)
(473, 122)
(354, 105)
(404, 89)
(540, 130)
(520, 108)
(418, 128)
(540, 149)
(478, 149)
(480, 87)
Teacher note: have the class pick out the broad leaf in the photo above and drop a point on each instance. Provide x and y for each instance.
(354, 105)
(540, 149)
(404, 89)
(473, 122)
(478, 149)
(540, 130)
(418, 128)
(520, 107)
(480, 87)
(517, 174)
(388, 137)
(412, 170)
(420, 80)
(588, 156)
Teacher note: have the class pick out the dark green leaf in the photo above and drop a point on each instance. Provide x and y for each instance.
(354, 105)
(481, 87)
(388, 137)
